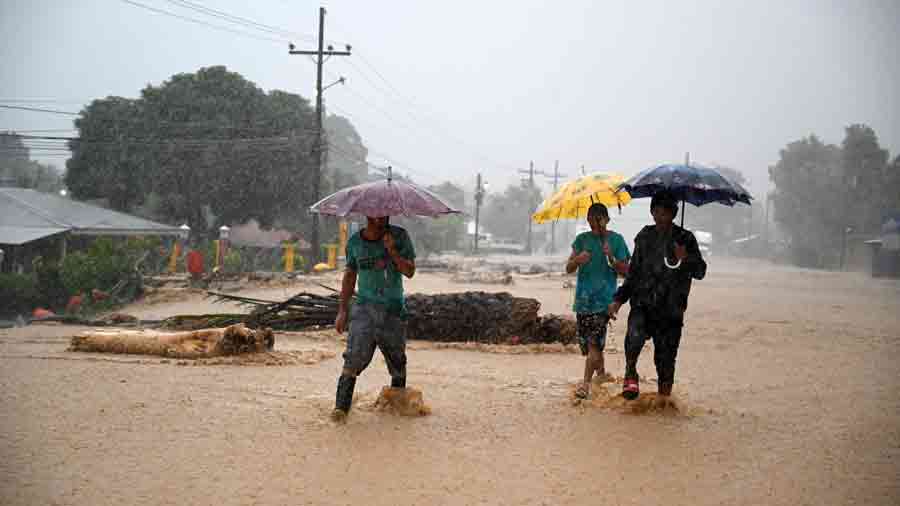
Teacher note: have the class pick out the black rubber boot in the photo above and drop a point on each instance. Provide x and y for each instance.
(665, 389)
(398, 382)
(344, 397)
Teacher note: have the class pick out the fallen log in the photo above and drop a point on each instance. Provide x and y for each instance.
(206, 343)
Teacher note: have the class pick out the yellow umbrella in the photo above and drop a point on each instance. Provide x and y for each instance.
(575, 197)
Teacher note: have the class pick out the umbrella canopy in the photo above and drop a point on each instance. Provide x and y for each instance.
(383, 198)
(688, 183)
(575, 197)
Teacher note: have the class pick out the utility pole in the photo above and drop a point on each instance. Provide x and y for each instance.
(555, 177)
(531, 204)
(479, 198)
(320, 55)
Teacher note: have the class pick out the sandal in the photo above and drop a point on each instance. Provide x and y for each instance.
(582, 392)
(630, 389)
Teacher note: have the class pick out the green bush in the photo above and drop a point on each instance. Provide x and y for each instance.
(233, 263)
(101, 266)
(299, 263)
(50, 285)
(19, 294)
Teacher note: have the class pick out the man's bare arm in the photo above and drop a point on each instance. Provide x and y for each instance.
(348, 285)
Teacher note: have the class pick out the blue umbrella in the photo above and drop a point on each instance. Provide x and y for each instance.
(688, 183)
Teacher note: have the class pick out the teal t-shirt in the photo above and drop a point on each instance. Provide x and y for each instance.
(378, 280)
(596, 279)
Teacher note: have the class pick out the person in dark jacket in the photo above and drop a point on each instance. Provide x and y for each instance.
(666, 259)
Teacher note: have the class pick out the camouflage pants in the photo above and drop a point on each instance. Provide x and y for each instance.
(373, 325)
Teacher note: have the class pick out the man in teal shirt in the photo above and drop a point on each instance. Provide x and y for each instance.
(377, 257)
(598, 256)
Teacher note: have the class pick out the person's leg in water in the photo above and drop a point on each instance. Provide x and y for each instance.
(634, 343)
(357, 356)
(666, 341)
(592, 339)
(392, 343)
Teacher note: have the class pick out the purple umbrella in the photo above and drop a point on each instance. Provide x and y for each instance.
(383, 198)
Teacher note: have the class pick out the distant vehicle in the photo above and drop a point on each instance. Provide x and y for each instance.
(704, 242)
(503, 246)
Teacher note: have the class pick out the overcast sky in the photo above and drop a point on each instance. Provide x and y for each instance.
(489, 85)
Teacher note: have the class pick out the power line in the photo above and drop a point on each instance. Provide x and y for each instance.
(242, 21)
(156, 141)
(15, 131)
(204, 23)
(197, 123)
(37, 109)
(350, 116)
(435, 125)
(384, 156)
(41, 101)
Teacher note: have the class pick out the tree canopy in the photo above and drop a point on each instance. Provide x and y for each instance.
(506, 215)
(19, 170)
(207, 148)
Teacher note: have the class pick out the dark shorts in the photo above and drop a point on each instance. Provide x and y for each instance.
(372, 326)
(591, 330)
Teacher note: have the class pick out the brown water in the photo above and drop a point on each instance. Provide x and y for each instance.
(787, 392)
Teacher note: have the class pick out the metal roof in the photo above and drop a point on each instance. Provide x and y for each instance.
(27, 215)
(21, 235)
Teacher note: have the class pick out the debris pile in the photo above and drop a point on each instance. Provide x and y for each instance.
(484, 317)
(495, 318)
(470, 316)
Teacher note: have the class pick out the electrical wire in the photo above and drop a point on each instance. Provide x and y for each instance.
(37, 109)
(204, 23)
(242, 21)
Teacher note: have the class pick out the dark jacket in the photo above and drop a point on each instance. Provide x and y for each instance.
(653, 286)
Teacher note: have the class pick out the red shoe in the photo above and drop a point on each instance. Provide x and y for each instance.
(630, 389)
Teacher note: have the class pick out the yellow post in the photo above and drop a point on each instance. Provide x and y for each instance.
(343, 233)
(219, 256)
(332, 255)
(288, 257)
(173, 260)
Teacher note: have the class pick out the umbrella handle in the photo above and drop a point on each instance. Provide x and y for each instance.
(670, 266)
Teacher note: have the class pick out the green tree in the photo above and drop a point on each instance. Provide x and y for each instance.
(345, 163)
(106, 162)
(807, 200)
(261, 167)
(206, 148)
(507, 215)
(864, 176)
(891, 194)
(18, 169)
(447, 232)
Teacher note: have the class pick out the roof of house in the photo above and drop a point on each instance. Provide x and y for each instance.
(27, 215)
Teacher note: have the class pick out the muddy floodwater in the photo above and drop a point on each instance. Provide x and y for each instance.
(787, 392)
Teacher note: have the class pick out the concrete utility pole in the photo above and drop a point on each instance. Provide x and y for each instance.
(531, 203)
(320, 55)
(479, 198)
(555, 177)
